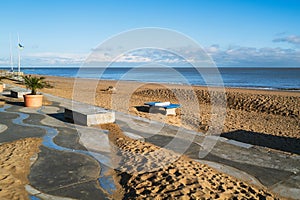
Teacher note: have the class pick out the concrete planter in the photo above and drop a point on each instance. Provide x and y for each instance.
(33, 100)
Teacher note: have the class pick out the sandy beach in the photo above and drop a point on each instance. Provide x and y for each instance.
(15, 167)
(255, 111)
(267, 117)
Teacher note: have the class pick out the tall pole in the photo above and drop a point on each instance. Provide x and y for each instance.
(11, 56)
(19, 52)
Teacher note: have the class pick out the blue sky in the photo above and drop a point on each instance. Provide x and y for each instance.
(233, 32)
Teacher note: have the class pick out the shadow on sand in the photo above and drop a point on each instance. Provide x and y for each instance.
(286, 144)
(146, 109)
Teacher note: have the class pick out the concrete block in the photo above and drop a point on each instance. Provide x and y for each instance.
(170, 111)
(90, 118)
(18, 93)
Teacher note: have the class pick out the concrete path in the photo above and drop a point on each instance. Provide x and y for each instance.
(65, 169)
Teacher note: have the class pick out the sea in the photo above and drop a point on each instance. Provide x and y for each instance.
(271, 78)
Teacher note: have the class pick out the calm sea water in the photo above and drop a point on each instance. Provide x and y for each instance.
(264, 78)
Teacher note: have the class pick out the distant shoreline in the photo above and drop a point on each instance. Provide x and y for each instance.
(241, 89)
(272, 78)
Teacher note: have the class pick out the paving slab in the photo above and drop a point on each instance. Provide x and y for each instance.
(35, 194)
(15, 131)
(56, 172)
(3, 127)
(291, 186)
(68, 138)
(241, 144)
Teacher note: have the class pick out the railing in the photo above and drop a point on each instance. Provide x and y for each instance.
(17, 76)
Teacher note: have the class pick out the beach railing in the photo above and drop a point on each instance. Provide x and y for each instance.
(16, 76)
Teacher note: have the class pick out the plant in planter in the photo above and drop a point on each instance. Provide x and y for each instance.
(34, 84)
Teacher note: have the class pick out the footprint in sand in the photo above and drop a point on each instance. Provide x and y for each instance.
(3, 176)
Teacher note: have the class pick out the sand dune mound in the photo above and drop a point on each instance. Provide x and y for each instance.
(265, 103)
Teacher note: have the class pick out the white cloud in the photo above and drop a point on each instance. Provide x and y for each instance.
(248, 56)
(52, 58)
(293, 39)
(146, 55)
(233, 56)
(212, 49)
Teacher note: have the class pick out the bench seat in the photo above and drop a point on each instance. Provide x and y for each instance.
(170, 109)
(19, 92)
(88, 115)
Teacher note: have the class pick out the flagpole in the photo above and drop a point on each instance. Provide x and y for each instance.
(11, 57)
(19, 52)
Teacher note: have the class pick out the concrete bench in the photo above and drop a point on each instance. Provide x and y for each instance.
(88, 115)
(19, 92)
(170, 109)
